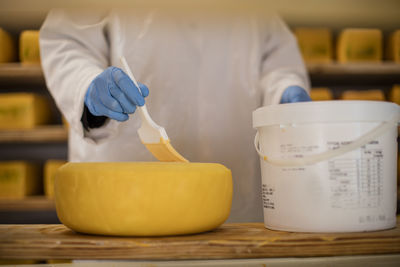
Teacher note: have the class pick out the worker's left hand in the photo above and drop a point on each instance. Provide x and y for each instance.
(294, 94)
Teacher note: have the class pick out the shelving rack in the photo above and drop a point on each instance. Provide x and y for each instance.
(15, 75)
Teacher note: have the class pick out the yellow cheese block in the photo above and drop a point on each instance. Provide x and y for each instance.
(50, 168)
(19, 179)
(359, 45)
(376, 95)
(23, 110)
(143, 198)
(321, 94)
(58, 261)
(8, 49)
(64, 122)
(315, 44)
(29, 51)
(393, 47)
(394, 95)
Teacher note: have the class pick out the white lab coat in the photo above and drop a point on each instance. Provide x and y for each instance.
(205, 76)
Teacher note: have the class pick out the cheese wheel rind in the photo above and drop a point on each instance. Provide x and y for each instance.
(143, 198)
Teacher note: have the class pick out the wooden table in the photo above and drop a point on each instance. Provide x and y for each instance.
(230, 241)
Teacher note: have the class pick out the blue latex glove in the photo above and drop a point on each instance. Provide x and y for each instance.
(113, 94)
(294, 94)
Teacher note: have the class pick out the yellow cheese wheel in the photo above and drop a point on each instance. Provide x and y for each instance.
(50, 169)
(359, 45)
(315, 44)
(321, 94)
(394, 95)
(29, 51)
(376, 95)
(23, 110)
(143, 198)
(393, 47)
(8, 51)
(19, 179)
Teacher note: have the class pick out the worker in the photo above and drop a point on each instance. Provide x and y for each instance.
(201, 79)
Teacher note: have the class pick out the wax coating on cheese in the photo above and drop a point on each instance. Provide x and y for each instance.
(143, 198)
(359, 45)
(19, 179)
(23, 110)
(29, 50)
(393, 47)
(394, 95)
(8, 49)
(315, 44)
(375, 95)
(321, 94)
(49, 172)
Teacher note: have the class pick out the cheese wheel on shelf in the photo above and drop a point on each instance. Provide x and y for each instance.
(49, 172)
(8, 49)
(19, 179)
(29, 50)
(315, 44)
(321, 94)
(23, 110)
(394, 95)
(376, 95)
(359, 45)
(393, 47)
(143, 198)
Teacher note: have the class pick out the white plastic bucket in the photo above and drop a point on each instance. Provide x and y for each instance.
(328, 166)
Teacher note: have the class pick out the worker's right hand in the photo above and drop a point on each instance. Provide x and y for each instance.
(113, 94)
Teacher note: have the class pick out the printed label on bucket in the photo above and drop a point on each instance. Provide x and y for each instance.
(357, 182)
(352, 192)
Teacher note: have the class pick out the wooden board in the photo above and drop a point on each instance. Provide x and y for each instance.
(230, 241)
(361, 74)
(383, 68)
(17, 73)
(44, 134)
(31, 203)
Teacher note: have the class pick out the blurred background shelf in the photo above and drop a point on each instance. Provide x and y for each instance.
(376, 73)
(42, 134)
(372, 74)
(17, 73)
(383, 68)
(32, 203)
(33, 209)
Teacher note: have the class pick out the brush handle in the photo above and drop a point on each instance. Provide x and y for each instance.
(147, 121)
(144, 114)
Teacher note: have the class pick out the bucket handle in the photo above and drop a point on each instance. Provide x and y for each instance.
(315, 158)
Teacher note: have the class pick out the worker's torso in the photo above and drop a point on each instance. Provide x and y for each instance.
(203, 79)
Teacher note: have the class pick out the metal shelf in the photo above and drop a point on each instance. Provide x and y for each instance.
(40, 134)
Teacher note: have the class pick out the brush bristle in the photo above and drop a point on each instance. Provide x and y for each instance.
(164, 151)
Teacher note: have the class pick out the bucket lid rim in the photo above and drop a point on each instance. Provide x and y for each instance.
(324, 111)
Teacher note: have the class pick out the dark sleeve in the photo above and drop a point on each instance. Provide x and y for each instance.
(91, 121)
